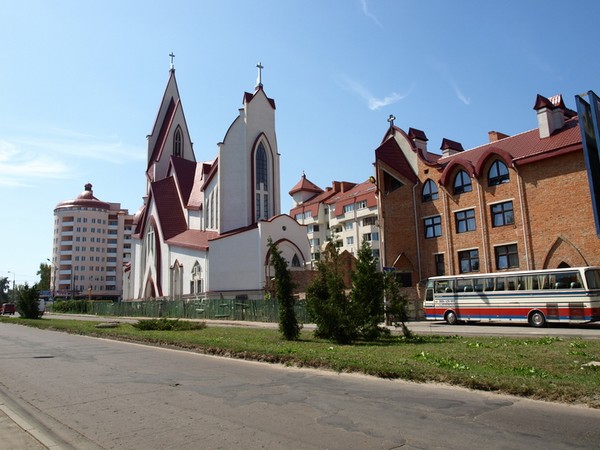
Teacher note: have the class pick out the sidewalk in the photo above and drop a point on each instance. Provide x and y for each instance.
(17, 434)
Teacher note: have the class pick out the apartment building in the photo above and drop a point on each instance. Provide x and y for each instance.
(92, 242)
(517, 202)
(344, 213)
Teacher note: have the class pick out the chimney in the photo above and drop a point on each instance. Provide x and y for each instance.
(450, 147)
(419, 139)
(551, 114)
(496, 136)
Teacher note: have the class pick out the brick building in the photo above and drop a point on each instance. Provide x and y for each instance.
(515, 203)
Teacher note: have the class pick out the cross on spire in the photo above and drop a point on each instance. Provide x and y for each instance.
(391, 120)
(172, 56)
(259, 79)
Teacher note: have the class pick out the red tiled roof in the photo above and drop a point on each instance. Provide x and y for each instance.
(168, 205)
(313, 203)
(194, 239)
(362, 191)
(390, 153)
(526, 145)
(305, 185)
(184, 171)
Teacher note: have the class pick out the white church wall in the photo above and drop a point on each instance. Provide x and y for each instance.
(235, 263)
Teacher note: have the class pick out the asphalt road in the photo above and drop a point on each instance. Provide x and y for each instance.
(86, 393)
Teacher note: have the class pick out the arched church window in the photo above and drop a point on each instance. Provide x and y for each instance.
(178, 143)
(261, 177)
(196, 279)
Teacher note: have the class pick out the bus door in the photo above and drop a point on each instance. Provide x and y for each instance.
(444, 293)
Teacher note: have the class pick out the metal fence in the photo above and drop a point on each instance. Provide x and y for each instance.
(264, 310)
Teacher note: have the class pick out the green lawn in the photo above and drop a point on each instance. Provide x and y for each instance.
(544, 368)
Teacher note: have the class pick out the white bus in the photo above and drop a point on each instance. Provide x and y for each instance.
(538, 297)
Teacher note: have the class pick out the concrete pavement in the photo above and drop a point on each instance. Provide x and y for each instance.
(17, 434)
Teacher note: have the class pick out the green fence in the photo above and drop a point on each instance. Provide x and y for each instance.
(226, 309)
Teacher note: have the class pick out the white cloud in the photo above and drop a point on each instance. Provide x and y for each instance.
(365, 8)
(374, 103)
(56, 154)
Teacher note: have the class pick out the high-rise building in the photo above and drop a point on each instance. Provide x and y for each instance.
(92, 241)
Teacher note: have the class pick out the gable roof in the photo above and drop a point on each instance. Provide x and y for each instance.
(391, 154)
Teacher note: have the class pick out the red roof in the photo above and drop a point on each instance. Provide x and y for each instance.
(194, 239)
(390, 153)
(363, 191)
(305, 185)
(168, 205)
(184, 171)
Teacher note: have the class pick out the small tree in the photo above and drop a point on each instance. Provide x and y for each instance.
(28, 304)
(4, 287)
(288, 322)
(397, 310)
(44, 273)
(327, 303)
(367, 294)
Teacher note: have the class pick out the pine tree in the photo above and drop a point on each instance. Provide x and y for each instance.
(327, 304)
(28, 302)
(367, 294)
(288, 322)
(397, 310)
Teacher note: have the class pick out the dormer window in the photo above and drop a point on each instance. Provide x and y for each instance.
(430, 191)
(462, 183)
(498, 173)
(178, 143)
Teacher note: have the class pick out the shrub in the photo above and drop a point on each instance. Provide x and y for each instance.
(72, 306)
(164, 324)
(28, 304)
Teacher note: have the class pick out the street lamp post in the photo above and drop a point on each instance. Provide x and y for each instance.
(13, 289)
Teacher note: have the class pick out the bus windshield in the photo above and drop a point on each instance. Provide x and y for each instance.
(592, 276)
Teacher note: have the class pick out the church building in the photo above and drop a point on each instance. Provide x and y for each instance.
(204, 227)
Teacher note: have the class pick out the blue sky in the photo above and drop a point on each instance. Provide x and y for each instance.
(81, 82)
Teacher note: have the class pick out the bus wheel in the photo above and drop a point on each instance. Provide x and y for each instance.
(451, 318)
(537, 319)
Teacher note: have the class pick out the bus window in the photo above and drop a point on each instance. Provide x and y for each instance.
(464, 286)
(478, 285)
(593, 278)
(444, 286)
(488, 284)
(567, 280)
(499, 284)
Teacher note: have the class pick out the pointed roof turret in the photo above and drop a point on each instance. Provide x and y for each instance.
(305, 185)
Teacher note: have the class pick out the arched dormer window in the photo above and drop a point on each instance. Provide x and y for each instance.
(430, 191)
(261, 183)
(462, 183)
(498, 173)
(295, 261)
(178, 143)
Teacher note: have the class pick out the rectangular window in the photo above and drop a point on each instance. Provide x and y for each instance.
(469, 261)
(433, 227)
(367, 237)
(440, 268)
(502, 214)
(361, 205)
(348, 225)
(375, 252)
(307, 214)
(349, 208)
(299, 216)
(375, 236)
(368, 221)
(465, 221)
(315, 241)
(507, 256)
(350, 240)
